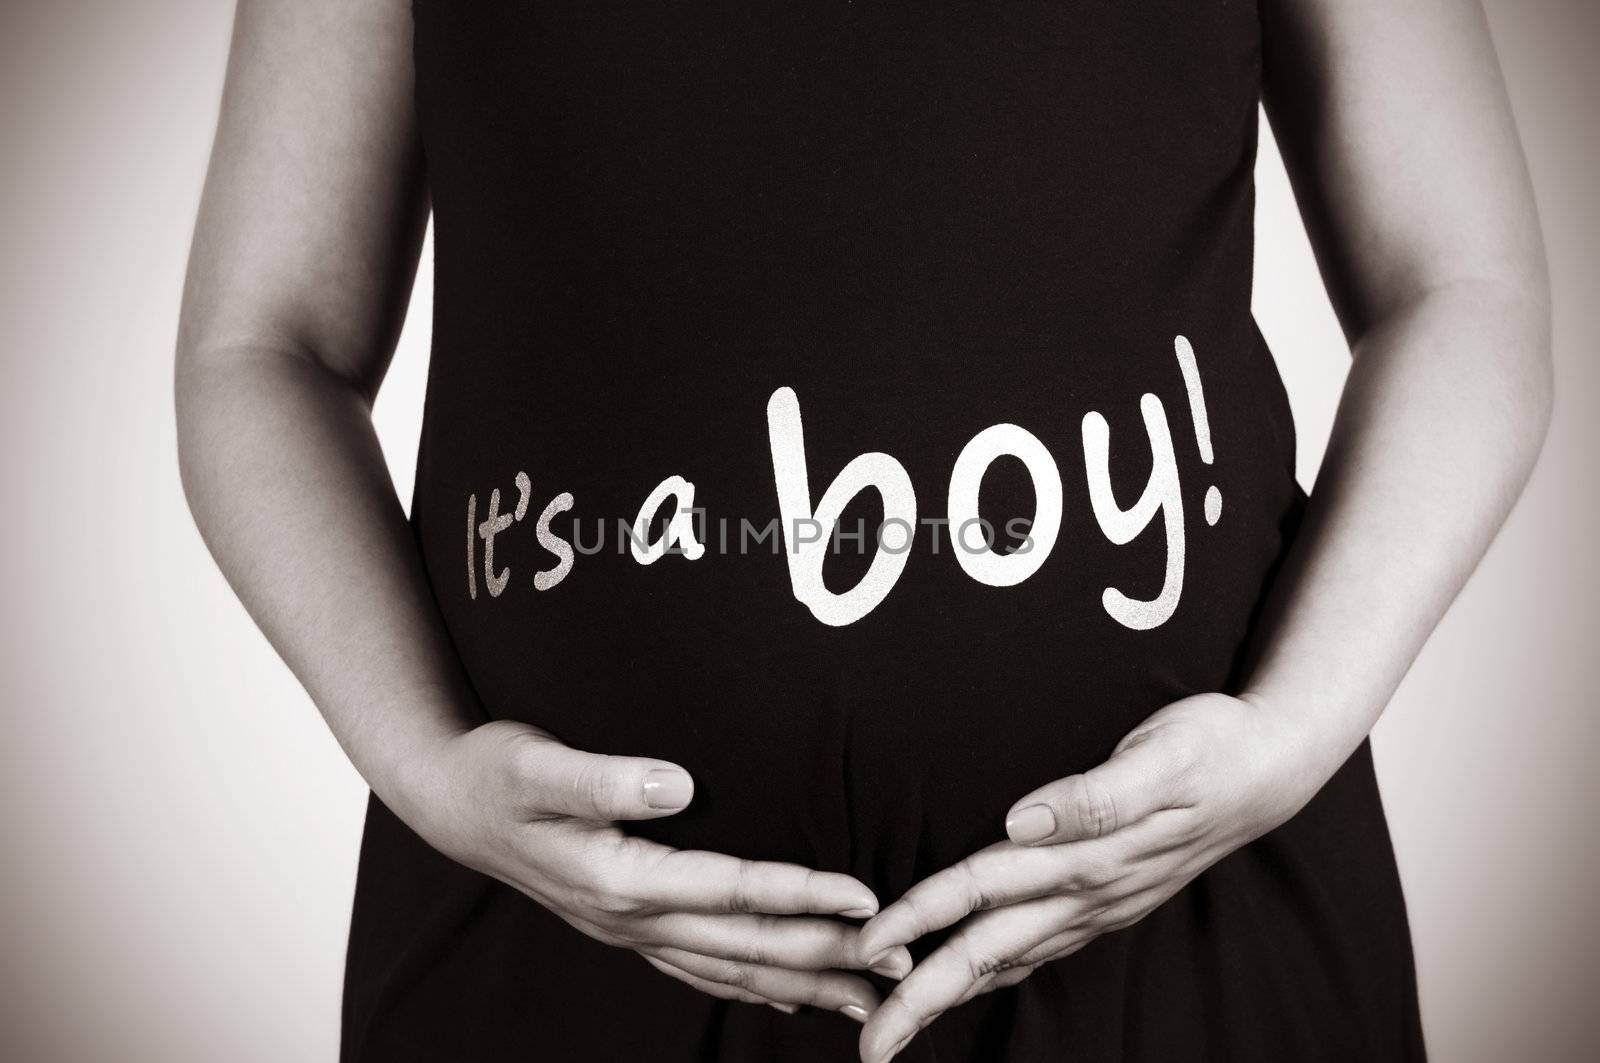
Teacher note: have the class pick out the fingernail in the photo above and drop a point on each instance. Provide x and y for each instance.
(787, 1009)
(891, 970)
(1031, 824)
(667, 788)
(862, 912)
(855, 1011)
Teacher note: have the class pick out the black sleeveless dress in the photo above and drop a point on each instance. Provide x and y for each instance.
(742, 274)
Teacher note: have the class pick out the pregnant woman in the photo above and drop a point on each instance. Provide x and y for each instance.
(856, 564)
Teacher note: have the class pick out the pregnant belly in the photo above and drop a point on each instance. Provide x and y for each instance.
(886, 749)
(881, 732)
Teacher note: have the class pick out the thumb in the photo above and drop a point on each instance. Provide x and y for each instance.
(1137, 780)
(556, 780)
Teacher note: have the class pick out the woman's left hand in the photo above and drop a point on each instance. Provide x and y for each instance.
(1093, 853)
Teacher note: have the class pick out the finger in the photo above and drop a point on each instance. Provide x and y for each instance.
(847, 994)
(717, 989)
(1097, 922)
(1011, 977)
(1005, 874)
(693, 880)
(799, 943)
(1001, 874)
(1140, 779)
(957, 971)
(555, 779)
(897, 969)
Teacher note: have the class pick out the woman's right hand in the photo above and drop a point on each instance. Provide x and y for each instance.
(513, 802)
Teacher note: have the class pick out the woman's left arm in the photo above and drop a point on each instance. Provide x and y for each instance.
(1398, 137)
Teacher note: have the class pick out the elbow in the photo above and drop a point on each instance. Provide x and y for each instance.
(1517, 310)
(1525, 296)
(1527, 301)
(189, 404)
(1510, 310)
(208, 397)
(1487, 334)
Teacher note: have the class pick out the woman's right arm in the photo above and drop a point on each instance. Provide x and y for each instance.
(301, 269)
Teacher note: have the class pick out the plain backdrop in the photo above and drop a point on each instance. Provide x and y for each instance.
(179, 830)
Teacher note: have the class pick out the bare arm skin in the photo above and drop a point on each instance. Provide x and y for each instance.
(303, 258)
(1399, 140)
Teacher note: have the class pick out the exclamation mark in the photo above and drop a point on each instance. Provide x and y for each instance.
(1202, 427)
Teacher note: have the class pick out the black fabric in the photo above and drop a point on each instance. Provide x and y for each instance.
(924, 219)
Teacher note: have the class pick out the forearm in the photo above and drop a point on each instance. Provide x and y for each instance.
(1441, 420)
(288, 486)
